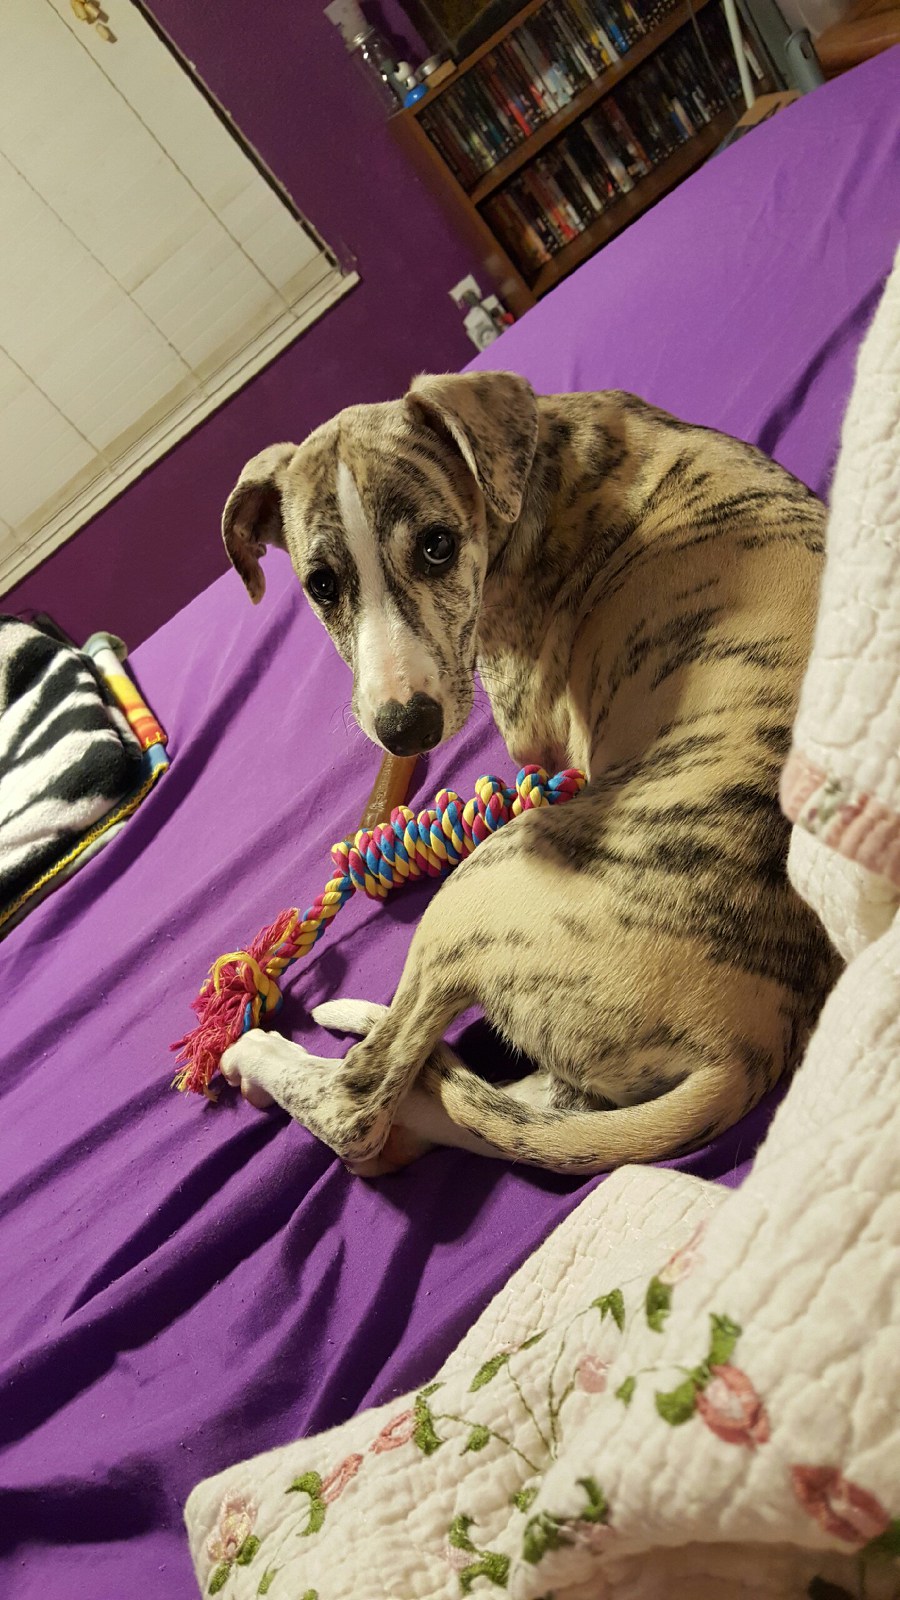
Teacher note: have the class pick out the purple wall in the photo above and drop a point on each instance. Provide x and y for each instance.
(282, 72)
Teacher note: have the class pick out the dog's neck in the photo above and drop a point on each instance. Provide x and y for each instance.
(579, 502)
(546, 573)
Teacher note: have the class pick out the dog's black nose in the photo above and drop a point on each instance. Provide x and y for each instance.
(410, 729)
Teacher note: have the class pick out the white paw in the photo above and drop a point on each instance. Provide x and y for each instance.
(256, 1065)
(349, 1016)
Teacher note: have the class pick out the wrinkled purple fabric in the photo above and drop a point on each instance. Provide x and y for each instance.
(185, 1285)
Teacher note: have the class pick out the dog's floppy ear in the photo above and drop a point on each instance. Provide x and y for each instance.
(492, 419)
(252, 516)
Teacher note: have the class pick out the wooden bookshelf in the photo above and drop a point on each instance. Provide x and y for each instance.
(644, 195)
(582, 102)
(519, 284)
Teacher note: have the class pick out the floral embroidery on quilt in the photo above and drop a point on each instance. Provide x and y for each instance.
(716, 1391)
(232, 1542)
(848, 1512)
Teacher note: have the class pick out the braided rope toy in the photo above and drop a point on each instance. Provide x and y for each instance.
(243, 987)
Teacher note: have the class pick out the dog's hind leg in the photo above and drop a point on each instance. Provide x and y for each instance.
(351, 1104)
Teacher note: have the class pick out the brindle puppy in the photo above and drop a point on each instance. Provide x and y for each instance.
(638, 596)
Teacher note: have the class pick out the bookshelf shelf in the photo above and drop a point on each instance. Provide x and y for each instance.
(643, 195)
(584, 101)
(566, 125)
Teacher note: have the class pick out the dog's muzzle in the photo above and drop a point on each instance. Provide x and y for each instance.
(411, 729)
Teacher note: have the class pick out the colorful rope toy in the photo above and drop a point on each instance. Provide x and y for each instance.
(242, 987)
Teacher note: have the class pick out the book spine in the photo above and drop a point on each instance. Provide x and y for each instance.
(564, 209)
(520, 235)
(447, 148)
(480, 125)
(535, 209)
(583, 180)
(567, 181)
(608, 20)
(541, 251)
(514, 55)
(539, 67)
(592, 33)
(589, 159)
(481, 153)
(522, 107)
(517, 108)
(553, 68)
(598, 136)
(574, 61)
(494, 104)
(638, 160)
(536, 186)
(576, 43)
(539, 218)
(491, 120)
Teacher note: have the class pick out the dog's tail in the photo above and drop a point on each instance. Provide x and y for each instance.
(708, 1100)
(491, 1121)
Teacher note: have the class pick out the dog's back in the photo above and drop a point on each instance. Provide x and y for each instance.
(683, 938)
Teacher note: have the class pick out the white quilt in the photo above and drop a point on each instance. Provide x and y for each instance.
(686, 1393)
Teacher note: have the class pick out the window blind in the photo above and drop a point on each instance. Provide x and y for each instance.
(149, 266)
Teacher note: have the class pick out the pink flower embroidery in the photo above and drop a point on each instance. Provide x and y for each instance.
(681, 1263)
(840, 1507)
(337, 1481)
(732, 1409)
(591, 1374)
(237, 1519)
(457, 1559)
(394, 1433)
(593, 1536)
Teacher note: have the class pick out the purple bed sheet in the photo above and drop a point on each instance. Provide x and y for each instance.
(185, 1285)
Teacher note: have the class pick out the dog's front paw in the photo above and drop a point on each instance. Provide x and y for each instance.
(349, 1016)
(312, 1089)
(257, 1064)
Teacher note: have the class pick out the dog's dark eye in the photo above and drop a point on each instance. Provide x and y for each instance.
(437, 546)
(323, 586)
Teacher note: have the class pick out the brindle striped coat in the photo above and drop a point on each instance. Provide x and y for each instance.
(638, 595)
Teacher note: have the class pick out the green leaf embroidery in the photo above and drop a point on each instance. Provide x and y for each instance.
(524, 1499)
(678, 1405)
(626, 1390)
(310, 1484)
(311, 1594)
(887, 1543)
(268, 1578)
(425, 1435)
(430, 1389)
(219, 1577)
(612, 1304)
(658, 1304)
(477, 1439)
(488, 1371)
(724, 1337)
(597, 1509)
(458, 1536)
(535, 1339)
(542, 1533)
(247, 1551)
(489, 1565)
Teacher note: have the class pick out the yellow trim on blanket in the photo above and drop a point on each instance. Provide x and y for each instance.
(99, 828)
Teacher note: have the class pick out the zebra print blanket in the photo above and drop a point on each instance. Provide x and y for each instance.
(67, 756)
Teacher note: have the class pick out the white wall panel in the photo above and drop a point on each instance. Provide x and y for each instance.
(149, 268)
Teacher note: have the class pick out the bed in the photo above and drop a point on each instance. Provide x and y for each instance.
(185, 1284)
